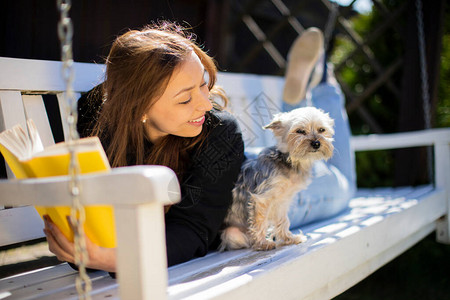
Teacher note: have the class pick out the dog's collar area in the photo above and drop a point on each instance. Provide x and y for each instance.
(282, 157)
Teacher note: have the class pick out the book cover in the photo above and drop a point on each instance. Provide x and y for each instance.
(25, 155)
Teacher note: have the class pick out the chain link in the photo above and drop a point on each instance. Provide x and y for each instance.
(77, 213)
(424, 82)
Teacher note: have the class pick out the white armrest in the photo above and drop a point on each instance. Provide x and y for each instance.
(440, 139)
(138, 194)
(122, 186)
(45, 75)
(401, 140)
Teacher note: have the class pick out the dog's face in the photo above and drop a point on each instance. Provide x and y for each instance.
(305, 133)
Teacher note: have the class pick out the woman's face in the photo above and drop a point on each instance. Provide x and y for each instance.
(181, 109)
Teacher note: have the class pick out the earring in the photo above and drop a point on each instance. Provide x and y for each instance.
(144, 119)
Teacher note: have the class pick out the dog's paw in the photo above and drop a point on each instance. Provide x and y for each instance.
(264, 245)
(293, 239)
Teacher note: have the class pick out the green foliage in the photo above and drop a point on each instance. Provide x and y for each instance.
(443, 107)
(358, 73)
(374, 168)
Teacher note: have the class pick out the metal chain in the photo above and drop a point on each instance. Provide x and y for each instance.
(77, 213)
(423, 65)
(424, 81)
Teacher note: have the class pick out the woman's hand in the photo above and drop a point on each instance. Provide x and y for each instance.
(99, 258)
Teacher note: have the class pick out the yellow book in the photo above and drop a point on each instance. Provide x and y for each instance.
(27, 158)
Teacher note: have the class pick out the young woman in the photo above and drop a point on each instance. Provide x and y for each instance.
(157, 106)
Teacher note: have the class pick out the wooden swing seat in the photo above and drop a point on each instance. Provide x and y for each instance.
(379, 225)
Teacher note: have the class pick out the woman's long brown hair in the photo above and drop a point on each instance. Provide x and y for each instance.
(138, 69)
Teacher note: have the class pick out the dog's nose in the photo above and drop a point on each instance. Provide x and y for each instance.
(315, 144)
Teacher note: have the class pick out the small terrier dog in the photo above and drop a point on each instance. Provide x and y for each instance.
(266, 185)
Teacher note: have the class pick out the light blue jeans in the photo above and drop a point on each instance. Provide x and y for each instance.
(333, 182)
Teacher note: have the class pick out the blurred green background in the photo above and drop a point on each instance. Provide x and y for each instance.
(376, 168)
(423, 271)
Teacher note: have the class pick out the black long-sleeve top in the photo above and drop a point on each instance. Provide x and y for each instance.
(192, 225)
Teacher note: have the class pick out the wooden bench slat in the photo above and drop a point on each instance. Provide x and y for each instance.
(48, 289)
(15, 282)
(46, 284)
(11, 106)
(102, 288)
(64, 111)
(39, 75)
(180, 272)
(23, 224)
(35, 110)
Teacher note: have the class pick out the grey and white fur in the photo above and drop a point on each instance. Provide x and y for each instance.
(266, 185)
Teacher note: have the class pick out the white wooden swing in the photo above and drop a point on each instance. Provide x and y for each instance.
(379, 225)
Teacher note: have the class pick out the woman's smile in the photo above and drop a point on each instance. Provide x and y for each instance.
(198, 122)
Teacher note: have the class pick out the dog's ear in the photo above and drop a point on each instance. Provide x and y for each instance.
(274, 125)
(330, 121)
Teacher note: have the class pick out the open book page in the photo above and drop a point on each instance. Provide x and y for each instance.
(35, 139)
(23, 144)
